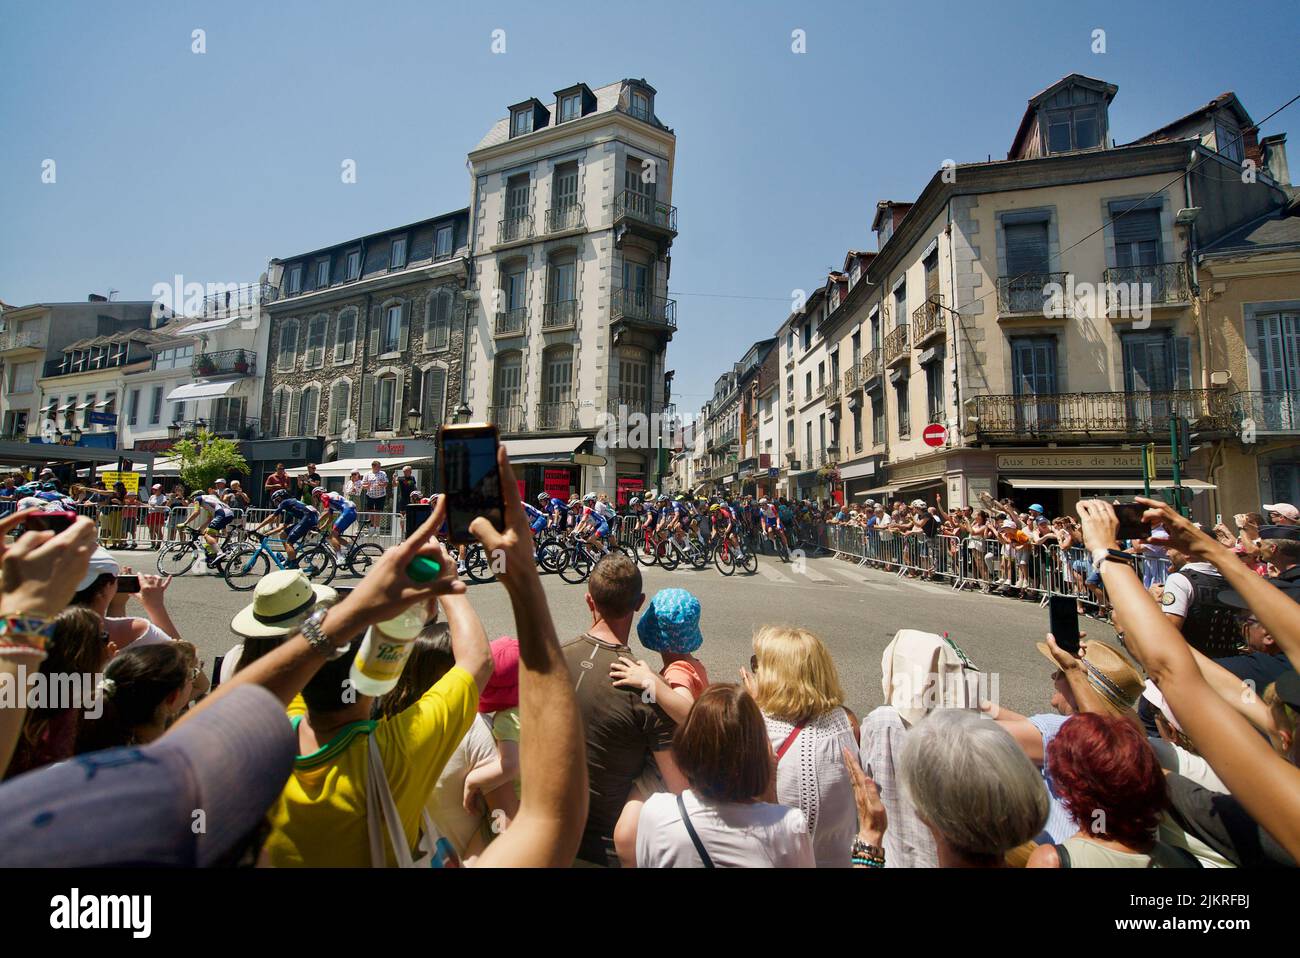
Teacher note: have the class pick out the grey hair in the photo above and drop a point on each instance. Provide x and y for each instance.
(971, 783)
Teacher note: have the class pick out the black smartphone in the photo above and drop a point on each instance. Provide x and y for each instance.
(1131, 524)
(1063, 622)
(128, 583)
(471, 479)
(49, 521)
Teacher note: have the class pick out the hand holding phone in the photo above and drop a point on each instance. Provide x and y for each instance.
(1063, 623)
(128, 584)
(54, 522)
(1131, 523)
(471, 478)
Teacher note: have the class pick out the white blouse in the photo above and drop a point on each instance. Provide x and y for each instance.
(811, 777)
(735, 834)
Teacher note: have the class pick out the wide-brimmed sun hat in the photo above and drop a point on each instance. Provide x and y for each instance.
(672, 623)
(1109, 673)
(281, 602)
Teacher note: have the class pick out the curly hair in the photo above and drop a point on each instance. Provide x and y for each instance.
(1105, 772)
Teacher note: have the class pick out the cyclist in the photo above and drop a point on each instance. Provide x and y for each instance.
(537, 518)
(557, 512)
(293, 515)
(772, 524)
(209, 515)
(723, 520)
(592, 528)
(337, 513)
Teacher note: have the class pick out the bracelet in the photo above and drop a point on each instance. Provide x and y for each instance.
(871, 855)
(16, 650)
(867, 863)
(27, 628)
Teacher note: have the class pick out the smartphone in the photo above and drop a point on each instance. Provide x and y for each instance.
(128, 583)
(49, 521)
(471, 479)
(1131, 524)
(1063, 623)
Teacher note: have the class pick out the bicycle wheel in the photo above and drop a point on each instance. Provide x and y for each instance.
(748, 561)
(782, 549)
(477, 565)
(669, 557)
(723, 559)
(552, 556)
(645, 552)
(361, 558)
(698, 554)
(318, 564)
(577, 568)
(177, 558)
(245, 566)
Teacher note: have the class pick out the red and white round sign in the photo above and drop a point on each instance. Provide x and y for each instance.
(935, 434)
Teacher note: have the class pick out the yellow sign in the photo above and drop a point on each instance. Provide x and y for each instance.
(129, 479)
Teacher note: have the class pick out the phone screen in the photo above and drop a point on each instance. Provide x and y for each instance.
(1063, 623)
(470, 478)
(50, 521)
(128, 584)
(1131, 525)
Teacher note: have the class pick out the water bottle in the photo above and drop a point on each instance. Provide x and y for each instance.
(383, 652)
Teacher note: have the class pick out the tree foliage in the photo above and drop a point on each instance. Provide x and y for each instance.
(206, 458)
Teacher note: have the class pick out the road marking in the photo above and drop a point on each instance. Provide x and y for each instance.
(861, 579)
(766, 570)
(813, 574)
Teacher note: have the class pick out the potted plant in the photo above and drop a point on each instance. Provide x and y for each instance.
(206, 365)
(241, 362)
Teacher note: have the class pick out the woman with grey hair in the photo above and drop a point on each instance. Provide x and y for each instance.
(973, 787)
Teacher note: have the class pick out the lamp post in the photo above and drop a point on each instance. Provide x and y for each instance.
(76, 435)
(413, 422)
(174, 431)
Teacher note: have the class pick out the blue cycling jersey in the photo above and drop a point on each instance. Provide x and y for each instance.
(558, 507)
(533, 511)
(295, 509)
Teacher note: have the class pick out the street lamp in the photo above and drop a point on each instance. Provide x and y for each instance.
(76, 434)
(201, 425)
(413, 421)
(174, 431)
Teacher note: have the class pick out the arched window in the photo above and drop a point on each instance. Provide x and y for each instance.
(557, 410)
(437, 319)
(288, 353)
(431, 395)
(316, 330)
(340, 405)
(280, 403)
(309, 411)
(345, 337)
(507, 391)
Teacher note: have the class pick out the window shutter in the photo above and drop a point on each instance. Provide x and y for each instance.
(434, 395)
(399, 406)
(365, 423)
(404, 337)
(1136, 226)
(418, 377)
(293, 414)
(376, 318)
(311, 412)
(1182, 362)
(1026, 249)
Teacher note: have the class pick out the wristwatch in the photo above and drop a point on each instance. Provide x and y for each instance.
(311, 631)
(1101, 555)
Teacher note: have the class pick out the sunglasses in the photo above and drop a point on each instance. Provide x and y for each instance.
(753, 663)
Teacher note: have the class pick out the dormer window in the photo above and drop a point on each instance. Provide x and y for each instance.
(1228, 141)
(640, 105)
(354, 264)
(521, 122)
(294, 281)
(1077, 128)
(397, 258)
(322, 273)
(570, 107)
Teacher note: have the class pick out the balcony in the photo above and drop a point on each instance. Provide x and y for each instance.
(15, 340)
(225, 362)
(869, 368)
(514, 228)
(1274, 411)
(1029, 294)
(645, 216)
(639, 308)
(721, 441)
(238, 300)
(1131, 288)
(830, 390)
(512, 322)
(895, 346)
(568, 217)
(928, 321)
(561, 315)
(234, 426)
(556, 416)
(853, 378)
(1116, 416)
(626, 405)
(508, 419)
(727, 468)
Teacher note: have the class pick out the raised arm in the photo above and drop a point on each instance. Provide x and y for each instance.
(1266, 784)
(469, 641)
(552, 756)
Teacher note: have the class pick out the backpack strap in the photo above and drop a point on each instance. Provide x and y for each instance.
(789, 740)
(1063, 854)
(695, 838)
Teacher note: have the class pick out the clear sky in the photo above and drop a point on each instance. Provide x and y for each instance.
(209, 165)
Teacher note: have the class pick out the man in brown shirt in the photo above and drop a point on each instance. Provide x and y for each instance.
(621, 729)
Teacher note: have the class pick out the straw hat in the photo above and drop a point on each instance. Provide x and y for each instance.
(1118, 683)
(281, 602)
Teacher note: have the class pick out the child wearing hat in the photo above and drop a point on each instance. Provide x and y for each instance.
(498, 703)
(671, 627)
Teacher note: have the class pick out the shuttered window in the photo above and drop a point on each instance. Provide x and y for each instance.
(437, 321)
(432, 390)
(1137, 237)
(1026, 248)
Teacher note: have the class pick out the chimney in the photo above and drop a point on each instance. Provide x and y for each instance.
(96, 298)
(1274, 150)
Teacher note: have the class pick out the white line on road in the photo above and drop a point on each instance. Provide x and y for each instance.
(861, 579)
(772, 575)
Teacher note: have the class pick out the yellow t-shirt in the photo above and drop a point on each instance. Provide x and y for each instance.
(319, 820)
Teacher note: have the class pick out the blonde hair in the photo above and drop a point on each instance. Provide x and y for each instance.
(796, 677)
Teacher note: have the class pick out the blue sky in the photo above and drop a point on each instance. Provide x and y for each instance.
(209, 165)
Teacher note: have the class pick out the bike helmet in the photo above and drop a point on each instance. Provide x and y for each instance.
(318, 493)
(589, 497)
(663, 497)
(634, 502)
(763, 501)
(279, 496)
(543, 497)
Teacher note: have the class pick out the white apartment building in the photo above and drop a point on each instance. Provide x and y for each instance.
(571, 225)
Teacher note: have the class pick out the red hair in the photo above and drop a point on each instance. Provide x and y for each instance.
(1105, 772)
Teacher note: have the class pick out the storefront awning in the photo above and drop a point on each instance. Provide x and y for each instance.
(201, 390)
(167, 466)
(1119, 485)
(342, 468)
(917, 483)
(859, 469)
(548, 449)
(878, 491)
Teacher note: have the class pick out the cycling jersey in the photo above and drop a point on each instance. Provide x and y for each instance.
(723, 516)
(295, 509)
(559, 509)
(591, 515)
(210, 503)
(332, 501)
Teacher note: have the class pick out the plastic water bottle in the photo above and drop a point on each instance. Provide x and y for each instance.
(383, 653)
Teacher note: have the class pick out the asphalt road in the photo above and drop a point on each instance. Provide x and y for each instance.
(855, 611)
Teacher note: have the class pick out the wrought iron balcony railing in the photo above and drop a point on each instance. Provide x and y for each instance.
(870, 367)
(1156, 284)
(235, 426)
(24, 340)
(514, 228)
(512, 322)
(225, 362)
(727, 468)
(508, 419)
(1041, 293)
(830, 391)
(644, 209)
(1120, 415)
(561, 315)
(853, 378)
(896, 345)
(556, 416)
(638, 306)
(1266, 411)
(239, 299)
(928, 320)
(567, 217)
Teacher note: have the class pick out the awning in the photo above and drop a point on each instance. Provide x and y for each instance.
(860, 469)
(169, 466)
(878, 491)
(1126, 485)
(201, 390)
(65, 407)
(48, 406)
(342, 468)
(548, 449)
(206, 327)
(918, 483)
(103, 403)
(82, 405)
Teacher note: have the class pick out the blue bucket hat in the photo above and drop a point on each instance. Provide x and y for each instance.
(672, 623)
(1037, 508)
